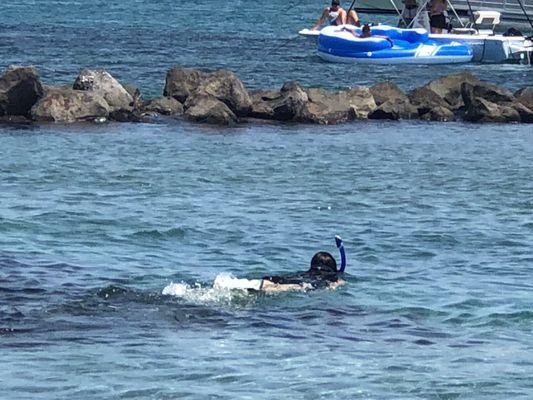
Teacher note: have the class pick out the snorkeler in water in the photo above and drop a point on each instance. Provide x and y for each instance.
(322, 274)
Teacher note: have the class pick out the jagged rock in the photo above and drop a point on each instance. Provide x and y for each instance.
(60, 104)
(135, 94)
(163, 106)
(385, 91)
(126, 115)
(439, 113)
(103, 84)
(225, 86)
(208, 109)
(425, 100)
(478, 109)
(180, 83)
(493, 93)
(290, 102)
(222, 84)
(260, 103)
(321, 113)
(526, 113)
(325, 107)
(20, 89)
(525, 96)
(449, 87)
(395, 109)
(15, 120)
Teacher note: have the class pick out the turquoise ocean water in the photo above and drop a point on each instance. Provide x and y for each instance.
(96, 221)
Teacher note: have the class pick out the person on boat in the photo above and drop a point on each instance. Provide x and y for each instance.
(336, 15)
(367, 33)
(437, 15)
(409, 12)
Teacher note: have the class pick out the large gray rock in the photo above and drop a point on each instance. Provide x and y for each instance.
(493, 93)
(180, 83)
(65, 105)
(425, 100)
(126, 115)
(325, 107)
(439, 113)
(222, 84)
(385, 91)
(101, 83)
(208, 109)
(525, 96)
(290, 102)
(449, 87)
(526, 113)
(163, 106)
(225, 86)
(261, 103)
(478, 109)
(394, 110)
(20, 89)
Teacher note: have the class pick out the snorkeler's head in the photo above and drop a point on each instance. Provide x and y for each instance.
(323, 263)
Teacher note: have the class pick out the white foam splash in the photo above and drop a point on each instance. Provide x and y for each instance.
(224, 289)
(228, 281)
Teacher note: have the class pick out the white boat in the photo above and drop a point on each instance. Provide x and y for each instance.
(509, 9)
(487, 46)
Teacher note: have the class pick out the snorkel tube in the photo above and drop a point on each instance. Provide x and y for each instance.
(340, 246)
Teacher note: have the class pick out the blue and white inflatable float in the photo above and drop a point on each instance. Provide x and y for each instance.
(388, 45)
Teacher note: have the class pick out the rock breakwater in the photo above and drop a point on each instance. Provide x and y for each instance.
(220, 97)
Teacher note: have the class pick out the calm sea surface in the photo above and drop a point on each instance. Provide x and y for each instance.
(95, 221)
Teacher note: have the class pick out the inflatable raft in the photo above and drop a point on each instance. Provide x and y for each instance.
(388, 45)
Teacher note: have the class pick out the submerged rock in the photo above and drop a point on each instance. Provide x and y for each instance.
(103, 84)
(20, 89)
(66, 105)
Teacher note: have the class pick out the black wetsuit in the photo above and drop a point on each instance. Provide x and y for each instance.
(317, 279)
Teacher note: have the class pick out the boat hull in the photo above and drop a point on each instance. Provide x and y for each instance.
(395, 60)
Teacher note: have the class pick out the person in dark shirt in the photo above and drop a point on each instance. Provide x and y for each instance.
(322, 274)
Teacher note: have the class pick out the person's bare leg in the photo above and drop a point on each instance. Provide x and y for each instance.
(353, 18)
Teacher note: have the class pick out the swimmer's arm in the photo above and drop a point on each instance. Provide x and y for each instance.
(336, 284)
(321, 20)
(272, 287)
